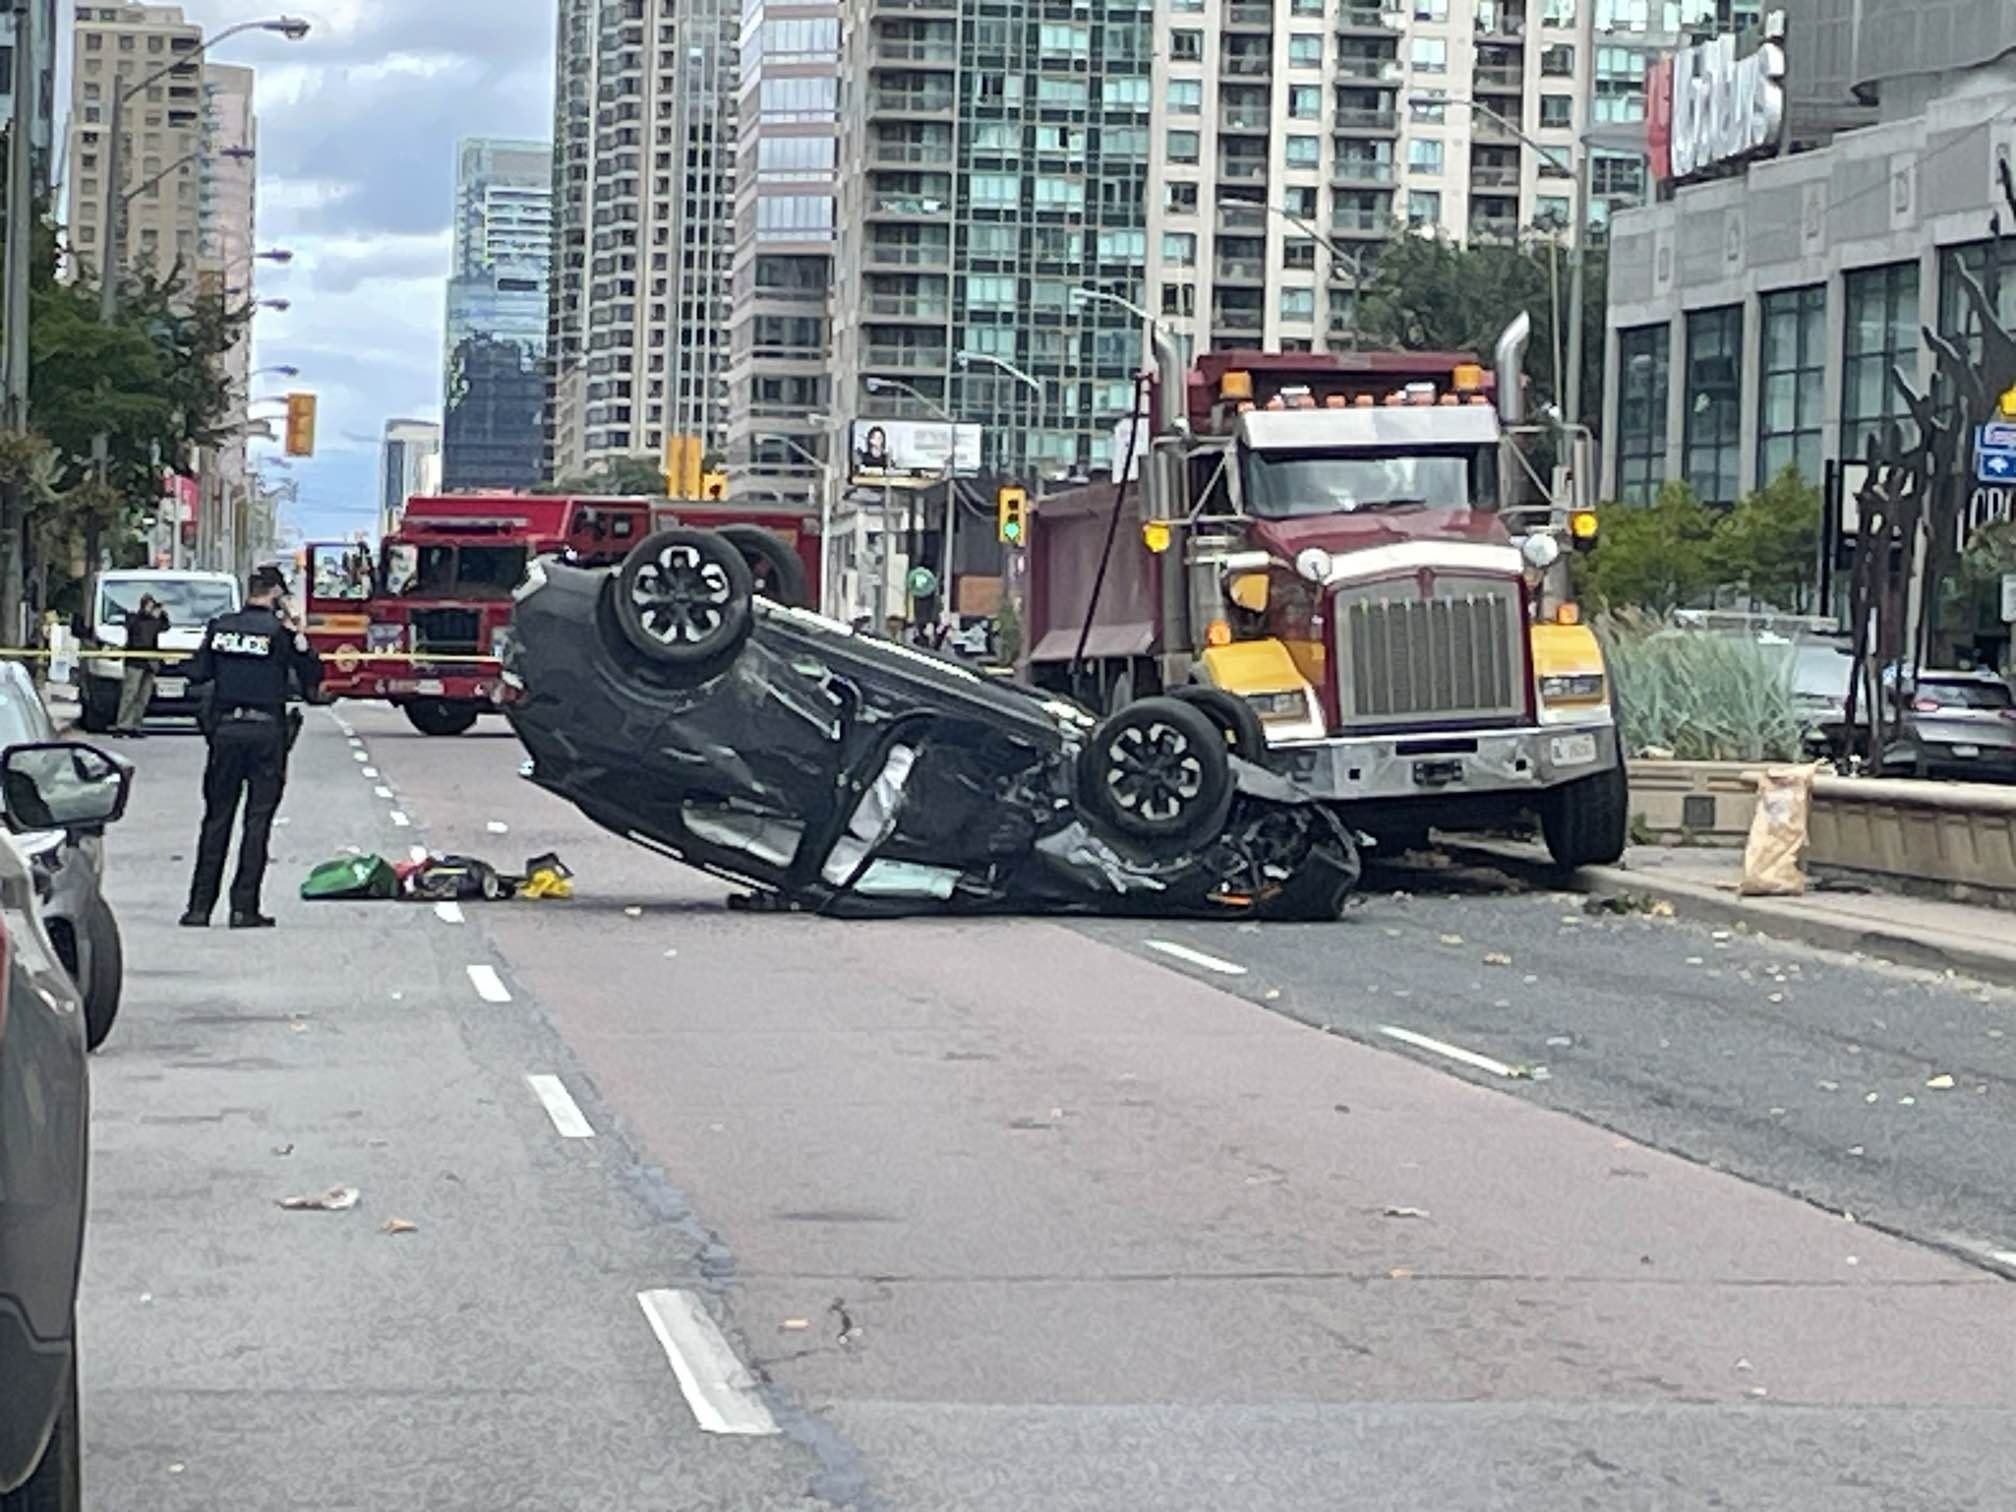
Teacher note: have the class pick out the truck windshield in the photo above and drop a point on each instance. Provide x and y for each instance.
(447, 571)
(1283, 485)
(188, 601)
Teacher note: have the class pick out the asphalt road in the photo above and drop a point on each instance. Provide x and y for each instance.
(1016, 1213)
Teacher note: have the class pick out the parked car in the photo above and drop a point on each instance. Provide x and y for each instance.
(44, 1120)
(855, 775)
(68, 869)
(1956, 724)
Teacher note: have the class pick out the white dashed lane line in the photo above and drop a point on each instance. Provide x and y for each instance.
(560, 1106)
(1195, 957)
(718, 1386)
(448, 913)
(489, 986)
(1450, 1052)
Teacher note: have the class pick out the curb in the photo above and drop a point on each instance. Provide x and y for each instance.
(1772, 917)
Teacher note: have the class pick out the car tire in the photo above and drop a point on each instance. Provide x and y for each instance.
(440, 716)
(58, 1482)
(1587, 822)
(682, 598)
(1159, 770)
(774, 568)
(1244, 735)
(104, 978)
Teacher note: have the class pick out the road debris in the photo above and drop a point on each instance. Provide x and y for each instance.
(336, 1200)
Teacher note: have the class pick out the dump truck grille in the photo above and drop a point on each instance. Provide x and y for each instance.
(1413, 652)
(447, 632)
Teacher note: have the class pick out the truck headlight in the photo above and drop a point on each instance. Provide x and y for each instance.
(1540, 552)
(1573, 687)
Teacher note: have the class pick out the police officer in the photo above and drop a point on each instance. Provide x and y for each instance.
(243, 666)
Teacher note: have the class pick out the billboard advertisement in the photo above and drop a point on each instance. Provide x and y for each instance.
(911, 451)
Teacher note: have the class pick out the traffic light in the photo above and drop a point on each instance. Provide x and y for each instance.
(1011, 502)
(300, 425)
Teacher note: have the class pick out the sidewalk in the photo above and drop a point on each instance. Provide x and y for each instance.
(1700, 883)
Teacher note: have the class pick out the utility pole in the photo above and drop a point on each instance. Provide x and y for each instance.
(14, 286)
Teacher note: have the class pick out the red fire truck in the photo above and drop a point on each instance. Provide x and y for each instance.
(418, 622)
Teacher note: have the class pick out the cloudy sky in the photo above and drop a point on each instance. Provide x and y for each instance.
(357, 130)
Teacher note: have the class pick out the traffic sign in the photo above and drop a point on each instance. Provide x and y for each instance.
(1995, 453)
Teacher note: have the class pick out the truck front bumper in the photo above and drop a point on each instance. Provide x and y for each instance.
(1437, 765)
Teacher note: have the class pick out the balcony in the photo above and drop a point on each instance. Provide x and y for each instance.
(1382, 120)
(1357, 20)
(911, 102)
(1358, 171)
(1374, 70)
(907, 307)
(905, 359)
(910, 206)
(912, 50)
(909, 254)
(887, 151)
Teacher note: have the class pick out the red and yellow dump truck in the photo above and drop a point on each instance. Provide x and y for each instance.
(1358, 546)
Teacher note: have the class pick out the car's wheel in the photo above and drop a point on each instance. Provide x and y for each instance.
(1244, 735)
(440, 716)
(104, 971)
(1587, 822)
(682, 598)
(1159, 770)
(774, 568)
(98, 709)
(58, 1482)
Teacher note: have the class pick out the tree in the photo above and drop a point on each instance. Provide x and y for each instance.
(636, 476)
(1769, 544)
(1428, 294)
(1657, 557)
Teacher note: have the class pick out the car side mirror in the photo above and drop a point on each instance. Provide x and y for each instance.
(62, 785)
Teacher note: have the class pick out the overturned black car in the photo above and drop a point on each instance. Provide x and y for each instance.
(852, 775)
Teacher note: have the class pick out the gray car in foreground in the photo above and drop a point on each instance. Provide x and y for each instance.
(44, 1119)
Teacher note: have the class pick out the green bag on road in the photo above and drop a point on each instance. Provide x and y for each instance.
(352, 877)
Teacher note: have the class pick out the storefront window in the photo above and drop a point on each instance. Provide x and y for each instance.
(1956, 313)
(1645, 355)
(1714, 403)
(1882, 333)
(1795, 375)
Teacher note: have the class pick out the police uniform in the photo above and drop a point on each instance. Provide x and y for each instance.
(243, 665)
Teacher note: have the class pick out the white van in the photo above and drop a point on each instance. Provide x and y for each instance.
(191, 599)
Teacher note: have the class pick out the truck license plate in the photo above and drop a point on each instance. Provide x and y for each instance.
(1573, 750)
(171, 687)
(1966, 750)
